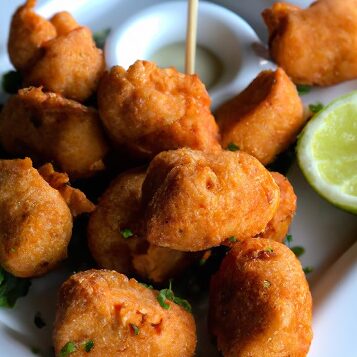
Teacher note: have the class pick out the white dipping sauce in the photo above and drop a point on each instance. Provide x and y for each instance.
(208, 67)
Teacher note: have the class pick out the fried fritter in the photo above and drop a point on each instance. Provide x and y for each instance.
(260, 303)
(278, 227)
(58, 54)
(265, 118)
(48, 127)
(122, 318)
(119, 209)
(317, 45)
(28, 32)
(195, 200)
(148, 110)
(35, 221)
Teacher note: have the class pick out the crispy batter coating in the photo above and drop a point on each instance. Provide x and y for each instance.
(148, 110)
(265, 118)
(122, 317)
(316, 45)
(71, 65)
(278, 227)
(48, 127)
(28, 32)
(196, 200)
(260, 303)
(76, 200)
(118, 209)
(58, 54)
(35, 222)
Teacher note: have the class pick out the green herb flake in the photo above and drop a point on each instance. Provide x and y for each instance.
(288, 239)
(303, 89)
(11, 82)
(35, 350)
(67, 349)
(232, 239)
(168, 294)
(135, 329)
(12, 288)
(38, 320)
(315, 108)
(308, 270)
(298, 251)
(266, 284)
(126, 233)
(100, 37)
(269, 250)
(88, 346)
(147, 286)
(232, 147)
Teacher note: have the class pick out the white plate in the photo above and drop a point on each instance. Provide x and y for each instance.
(325, 232)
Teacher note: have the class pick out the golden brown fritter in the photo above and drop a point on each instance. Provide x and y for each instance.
(71, 65)
(122, 318)
(260, 303)
(278, 227)
(35, 222)
(148, 110)
(28, 32)
(58, 54)
(265, 118)
(196, 200)
(316, 45)
(48, 127)
(118, 209)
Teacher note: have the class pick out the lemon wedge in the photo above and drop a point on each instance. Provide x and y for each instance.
(327, 152)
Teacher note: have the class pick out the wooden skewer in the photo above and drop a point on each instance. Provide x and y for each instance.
(191, 36)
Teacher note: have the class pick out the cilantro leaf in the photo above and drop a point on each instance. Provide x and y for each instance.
(126, 233)
(100, 37)
(315, 108)
(12, 288)
(88, 346)
(288, 239)
(147, 286)
(303, 89)
(11, 82)
(232, 147)
(135, 329)
(67, 349)
(308, 270)
(269, 250)
(183, 303)
(168, 294)
(298, 251)
(232, 239)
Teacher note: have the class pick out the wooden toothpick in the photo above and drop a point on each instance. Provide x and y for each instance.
(191, 36)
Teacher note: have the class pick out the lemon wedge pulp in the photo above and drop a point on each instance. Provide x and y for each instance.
(327, 152)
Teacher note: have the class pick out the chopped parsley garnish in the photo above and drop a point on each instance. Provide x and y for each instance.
(135, 329)
(88, 346)
(232, 239)
(232, 147)
(168, 294)
(288, 239)
(100, 37)
(67, 349)
(147, 285)
(269, 250)
(298, 251)
(205, 256)
(308, 270)
(11, 82)
(38, 320)
(266, 284)
(315, 108)
(12, 288)
(35, 350)
(126, 233)
(303, 89)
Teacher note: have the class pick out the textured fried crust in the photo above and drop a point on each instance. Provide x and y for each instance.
(265, 118)
(48, 127)
(64, 23)
(316, 45)
(76, 200)
(28, 32)
(35, 222)
(103, 306)
(278, 227)
(148, 110)
(196, 200)
(120, 208)
(260, 303)
(71, 65)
